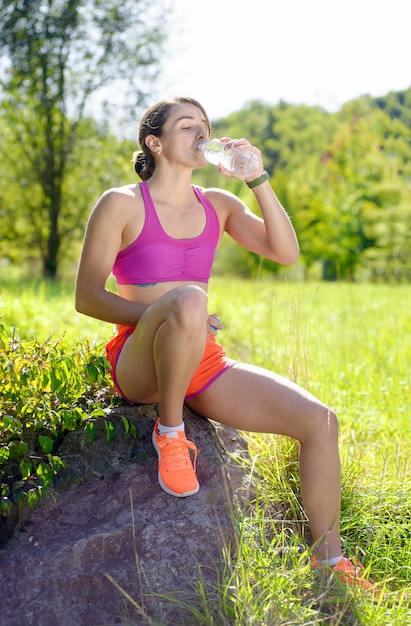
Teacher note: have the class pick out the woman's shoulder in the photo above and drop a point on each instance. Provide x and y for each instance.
(118, 205)
(122, 193)
(221, 199)
(216, 194)
(118, 199)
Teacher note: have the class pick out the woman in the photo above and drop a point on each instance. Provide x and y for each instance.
(159, 239)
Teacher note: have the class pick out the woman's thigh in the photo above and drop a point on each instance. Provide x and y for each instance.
(254, 399)
(136, 370)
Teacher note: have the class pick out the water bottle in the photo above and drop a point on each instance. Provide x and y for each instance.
(240, 162)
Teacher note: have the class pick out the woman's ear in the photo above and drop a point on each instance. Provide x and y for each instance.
(153, 144)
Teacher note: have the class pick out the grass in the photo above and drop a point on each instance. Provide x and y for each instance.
(350, 345)
(45, 308)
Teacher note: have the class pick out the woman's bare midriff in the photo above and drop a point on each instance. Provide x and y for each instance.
(148, 294)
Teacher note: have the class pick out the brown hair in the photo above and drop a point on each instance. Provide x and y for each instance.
(152, 123)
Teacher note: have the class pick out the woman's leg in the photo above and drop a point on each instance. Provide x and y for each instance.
(254, 399)
(159, 359)
(156, 364)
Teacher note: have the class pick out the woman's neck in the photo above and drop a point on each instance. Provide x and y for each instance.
(167, 184)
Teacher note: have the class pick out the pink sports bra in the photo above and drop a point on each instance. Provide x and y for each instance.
(155, 257)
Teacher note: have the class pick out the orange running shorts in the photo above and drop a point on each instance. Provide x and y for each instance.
(214, 362)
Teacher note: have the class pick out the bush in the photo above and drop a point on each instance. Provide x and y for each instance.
(46, 390)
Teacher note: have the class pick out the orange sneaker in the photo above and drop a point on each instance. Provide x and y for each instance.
(176, 471)
(347, 573)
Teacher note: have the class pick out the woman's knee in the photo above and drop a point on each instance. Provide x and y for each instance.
(331, 420)
(189, 306)
(322, 427)
(328, 424)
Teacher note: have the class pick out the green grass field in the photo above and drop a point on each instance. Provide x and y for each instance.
(349, 344)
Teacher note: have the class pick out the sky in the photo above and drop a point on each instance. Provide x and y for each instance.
(225, 53)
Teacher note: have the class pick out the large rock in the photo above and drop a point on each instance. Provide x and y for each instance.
(109, 526)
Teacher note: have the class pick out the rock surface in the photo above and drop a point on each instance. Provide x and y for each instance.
(109, 525)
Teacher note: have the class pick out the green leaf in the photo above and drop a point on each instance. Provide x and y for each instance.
(133, 430)
(110, 431)
(45, 380)
(129, 427)
(25, 468)
(126, 424)
(69, 418)
(32, 498)
(90, 429)
(45, 473)
(18, 449)
(97, 412)
(92, 372)
(4, 454)
(55, 462)
(46, 443)
(5, 506)
(11, 423)
(55, 381)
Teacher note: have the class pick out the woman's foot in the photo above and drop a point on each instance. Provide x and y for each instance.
(347, 572)
(176, 470)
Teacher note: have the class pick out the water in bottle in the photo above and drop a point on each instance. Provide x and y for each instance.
(240, 162)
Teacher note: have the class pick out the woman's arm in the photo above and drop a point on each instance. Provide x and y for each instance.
(102, 242)
(271, 235)
(279, 231)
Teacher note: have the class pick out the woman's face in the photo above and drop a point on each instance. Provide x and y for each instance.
(184, 130)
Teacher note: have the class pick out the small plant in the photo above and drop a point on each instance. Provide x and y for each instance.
(46, 390)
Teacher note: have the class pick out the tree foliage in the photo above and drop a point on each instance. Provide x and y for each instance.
(56, 54)
(345, 179)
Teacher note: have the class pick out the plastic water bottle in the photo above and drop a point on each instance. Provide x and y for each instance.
(240, 162)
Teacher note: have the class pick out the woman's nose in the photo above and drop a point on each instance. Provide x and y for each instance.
(202, 133)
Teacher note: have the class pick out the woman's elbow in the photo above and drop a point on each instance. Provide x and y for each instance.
(79, 303)
(292, 257)
(82, 300)
(289, 256)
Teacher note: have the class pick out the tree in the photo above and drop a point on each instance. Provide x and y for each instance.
(354, 208)
(57, 54)
(344, 179)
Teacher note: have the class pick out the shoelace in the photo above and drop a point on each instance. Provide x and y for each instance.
(175, 452)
